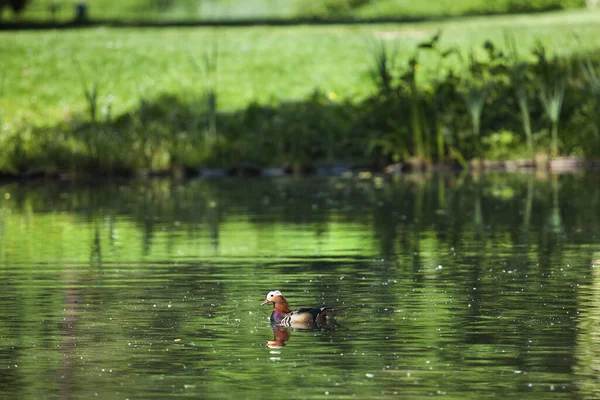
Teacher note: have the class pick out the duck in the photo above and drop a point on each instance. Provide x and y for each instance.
(302, 318)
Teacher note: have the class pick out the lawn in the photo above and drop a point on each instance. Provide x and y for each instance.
(41, 83)
(169, 10)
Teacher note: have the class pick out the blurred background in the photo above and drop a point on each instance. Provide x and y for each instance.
(209, 10)
(157, 86)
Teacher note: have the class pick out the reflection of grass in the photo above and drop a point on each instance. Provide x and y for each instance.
(217, 237)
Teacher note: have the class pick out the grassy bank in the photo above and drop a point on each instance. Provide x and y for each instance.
(132, 10)
(123, 100)
(42, 83)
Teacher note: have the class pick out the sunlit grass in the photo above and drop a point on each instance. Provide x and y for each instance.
(153, 10)
(64, 10)
(256, 64)
(411, 8)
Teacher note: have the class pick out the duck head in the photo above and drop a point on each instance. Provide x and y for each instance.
(280, 304)
(274, 296)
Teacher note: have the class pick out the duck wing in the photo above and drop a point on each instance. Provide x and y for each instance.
(312, 311)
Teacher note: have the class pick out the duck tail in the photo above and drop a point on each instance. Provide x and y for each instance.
(331, 312)
(326, 320)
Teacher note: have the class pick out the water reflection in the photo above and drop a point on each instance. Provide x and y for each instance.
(466, 286)
(281, 334)
(68, 333)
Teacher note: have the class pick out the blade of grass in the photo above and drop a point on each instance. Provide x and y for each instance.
(551, 97)
(90, 91)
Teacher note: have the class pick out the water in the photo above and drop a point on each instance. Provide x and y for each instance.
(459, 287)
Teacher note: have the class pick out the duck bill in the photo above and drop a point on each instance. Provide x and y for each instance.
(264, 302)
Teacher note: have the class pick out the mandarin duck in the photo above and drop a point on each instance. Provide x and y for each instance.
(302, 318)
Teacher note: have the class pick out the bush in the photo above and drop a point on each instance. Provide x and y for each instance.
(518, 6)
(16, 5)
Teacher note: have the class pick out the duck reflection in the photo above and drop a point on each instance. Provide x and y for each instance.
(282, 333)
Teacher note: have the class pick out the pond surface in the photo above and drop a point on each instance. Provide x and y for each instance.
(458, 286)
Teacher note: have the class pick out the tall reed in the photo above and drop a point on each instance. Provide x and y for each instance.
(90, 134)
(416, 119)
(474, 97)
(592, 87)
(518, 77)
(551, 90)
(443, 96)
(209, 71)
(143, 131)
(383, 58)
(551, 97)
(90, 91)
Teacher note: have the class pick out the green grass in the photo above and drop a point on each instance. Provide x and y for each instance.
(166, 10)
(256, 64)
(420, 9)
(124, 100)
(160, 10)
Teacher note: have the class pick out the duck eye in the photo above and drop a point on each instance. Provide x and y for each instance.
(271, 295)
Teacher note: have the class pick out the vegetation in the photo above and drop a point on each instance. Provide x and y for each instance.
(17, 6)
(146, 100)
(173, 10)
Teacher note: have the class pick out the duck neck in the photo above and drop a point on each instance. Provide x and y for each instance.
(281, 306)
(281, 309)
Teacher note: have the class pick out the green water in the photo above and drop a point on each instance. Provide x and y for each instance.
(459, 287)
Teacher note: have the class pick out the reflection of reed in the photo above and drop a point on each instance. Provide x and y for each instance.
(555, 218)
(528, 205)
(68, 333)
(478, 216)
(588, 343)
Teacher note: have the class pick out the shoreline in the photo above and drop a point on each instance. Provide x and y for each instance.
(559, 165)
